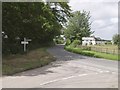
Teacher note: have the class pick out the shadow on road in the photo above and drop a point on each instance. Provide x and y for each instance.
(61, 57)
(40, 71)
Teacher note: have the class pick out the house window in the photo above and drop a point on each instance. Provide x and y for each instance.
(90, 43)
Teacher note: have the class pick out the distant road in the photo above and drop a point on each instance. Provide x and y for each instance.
(69, 71)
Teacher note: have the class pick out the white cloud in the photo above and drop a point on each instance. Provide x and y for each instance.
(114, 20)
(104, 15)
(94, 0)
(98, 23)
(107, 32)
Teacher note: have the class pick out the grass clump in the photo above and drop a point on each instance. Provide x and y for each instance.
(18, 63)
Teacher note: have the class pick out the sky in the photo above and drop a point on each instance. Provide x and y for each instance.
(104, 16)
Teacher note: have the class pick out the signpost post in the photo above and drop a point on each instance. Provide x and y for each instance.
(25, 42)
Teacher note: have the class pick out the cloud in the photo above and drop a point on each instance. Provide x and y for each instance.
(104, 15)
(114, 20)
(95, 1)
(107, 32)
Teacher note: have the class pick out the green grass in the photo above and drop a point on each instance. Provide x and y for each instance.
(111, 49)
(103, 55)
(33, 59)
(92, 53)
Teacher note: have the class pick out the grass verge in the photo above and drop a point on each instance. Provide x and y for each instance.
(33, 59)
(92, 53)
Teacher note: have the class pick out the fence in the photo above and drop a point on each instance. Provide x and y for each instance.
(102, 49)
(105, 50)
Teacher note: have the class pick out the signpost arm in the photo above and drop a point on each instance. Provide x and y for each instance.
(25, 42)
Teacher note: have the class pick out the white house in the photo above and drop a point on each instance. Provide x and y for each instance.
(92, 41)
(63, 36)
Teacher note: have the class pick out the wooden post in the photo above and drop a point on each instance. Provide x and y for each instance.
(25, 42)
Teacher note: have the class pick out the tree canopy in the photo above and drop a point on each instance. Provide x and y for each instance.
(78, 26)
(116, 39)
(40, 22)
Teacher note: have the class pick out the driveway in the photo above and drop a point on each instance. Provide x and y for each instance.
(68, 71)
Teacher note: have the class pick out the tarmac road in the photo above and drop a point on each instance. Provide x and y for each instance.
(69, 71)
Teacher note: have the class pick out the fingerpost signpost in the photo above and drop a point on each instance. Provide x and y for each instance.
(25, 42)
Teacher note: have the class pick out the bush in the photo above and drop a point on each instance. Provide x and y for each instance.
(11, 48)
(75, 43)
(78, 51)
(68, 42)
(87, 53)
(59, 40)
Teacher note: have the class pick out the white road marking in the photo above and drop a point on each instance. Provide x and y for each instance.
(96, 69)
(107, 71)
(87, 66)
(63, 79)
(114, 72)
(101, 71)
(80, 75)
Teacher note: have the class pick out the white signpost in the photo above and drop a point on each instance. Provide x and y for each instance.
(25, 42)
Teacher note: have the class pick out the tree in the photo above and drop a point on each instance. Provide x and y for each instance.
(37, 21)
(61, 10)
(116, 39)
(78, 26)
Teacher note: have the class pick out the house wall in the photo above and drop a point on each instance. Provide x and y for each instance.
(100, 42)
(91, 41)
(88, 41)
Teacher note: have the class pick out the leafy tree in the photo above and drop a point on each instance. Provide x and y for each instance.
(68, 42)
(78, 26)
(59, 40)
(75, 43)
(61, 10)
(37, 21)
(116, 39)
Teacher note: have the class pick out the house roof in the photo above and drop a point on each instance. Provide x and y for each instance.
(97, 38)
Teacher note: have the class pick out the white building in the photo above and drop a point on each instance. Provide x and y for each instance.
(63, 36)
(92, 41)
